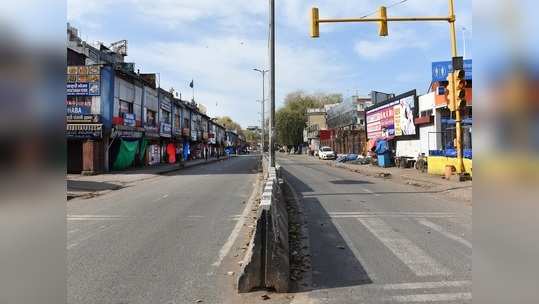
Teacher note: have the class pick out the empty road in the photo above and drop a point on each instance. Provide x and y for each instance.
(375, 241)
(161, 241)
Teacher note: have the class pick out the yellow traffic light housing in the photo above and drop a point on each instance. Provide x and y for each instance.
(315, 24)
(450, 92)
(382, 29)
(460, 88)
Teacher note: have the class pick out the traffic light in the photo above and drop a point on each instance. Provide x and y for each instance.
(382, 29)
(315, 25)
(460, 89)
(450, 92)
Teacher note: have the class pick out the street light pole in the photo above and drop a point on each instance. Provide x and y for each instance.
(272, 88)
(263, 72)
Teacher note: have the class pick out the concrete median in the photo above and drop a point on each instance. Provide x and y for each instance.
(266, 264)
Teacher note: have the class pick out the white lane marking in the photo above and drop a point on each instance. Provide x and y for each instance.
(390, 214)
(412, 256)
(72, 245)
(234, 234)
(95, 217)
(370, 191)
(442, 231)
(195, 216)
(424, 285)
(72, 231)
(356, 253)
(438, 297)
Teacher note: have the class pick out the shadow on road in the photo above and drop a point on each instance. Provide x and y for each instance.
(333, 261)
(349, 182)
(244, 164)
(74, 185)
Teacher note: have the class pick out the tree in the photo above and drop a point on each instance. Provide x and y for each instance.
(290, 119)
(229, 124)
(251, 136)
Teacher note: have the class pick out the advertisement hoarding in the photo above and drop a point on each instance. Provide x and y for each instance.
(393, 118)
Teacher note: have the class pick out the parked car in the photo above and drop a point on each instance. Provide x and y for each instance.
(326, 153)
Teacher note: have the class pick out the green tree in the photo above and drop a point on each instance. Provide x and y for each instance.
(290, 119)
(229, 124)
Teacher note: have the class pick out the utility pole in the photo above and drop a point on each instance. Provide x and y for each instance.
(272, 88)
(382, 21)
(263, 101)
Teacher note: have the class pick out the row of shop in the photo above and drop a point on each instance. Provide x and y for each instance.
(118, 118)
(411, 126)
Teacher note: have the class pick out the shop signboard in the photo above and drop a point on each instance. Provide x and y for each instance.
(165, 129)
(83, 118)
(84, 131)
(83, 80)
(393, 118)
(441, 69)
(129, 119)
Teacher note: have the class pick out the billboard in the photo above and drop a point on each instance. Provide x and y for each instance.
(83, 80)
(393, 118)
(441, 69)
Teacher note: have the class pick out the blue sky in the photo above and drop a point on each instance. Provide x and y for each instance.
(218, 43)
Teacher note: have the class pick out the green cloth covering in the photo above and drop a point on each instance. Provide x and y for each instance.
(126, 154)
(142, 150)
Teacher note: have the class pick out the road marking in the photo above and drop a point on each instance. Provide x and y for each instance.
(424, 285)
(442, 231)
(369, 191)
(390, 214)
(412, 256)
(235, 232)
(72, 231)
(94, 217)
(438, 297)
(356, 253)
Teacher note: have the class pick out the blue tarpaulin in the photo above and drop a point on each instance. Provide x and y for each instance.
(381, 147)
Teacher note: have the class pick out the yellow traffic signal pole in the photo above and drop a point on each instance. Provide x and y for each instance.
(383, 19)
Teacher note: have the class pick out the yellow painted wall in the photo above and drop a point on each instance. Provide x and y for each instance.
(437, 164)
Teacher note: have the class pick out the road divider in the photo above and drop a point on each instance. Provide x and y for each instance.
(266, 264)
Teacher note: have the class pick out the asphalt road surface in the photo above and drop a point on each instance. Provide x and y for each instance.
(160, 241)
(376, 241)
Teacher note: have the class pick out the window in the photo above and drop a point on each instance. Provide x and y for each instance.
(125, 107)
(150, 118)
(426, 113)
(165, 117)
(177, 119)
(186, 123)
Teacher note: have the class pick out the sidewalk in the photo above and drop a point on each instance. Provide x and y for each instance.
(92, 185)
(411, 176)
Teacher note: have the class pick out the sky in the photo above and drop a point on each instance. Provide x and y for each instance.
(218, 43)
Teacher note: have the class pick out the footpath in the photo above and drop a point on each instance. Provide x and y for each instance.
(87, 186)
(411, 176)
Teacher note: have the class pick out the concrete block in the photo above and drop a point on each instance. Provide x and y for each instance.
(250, 276)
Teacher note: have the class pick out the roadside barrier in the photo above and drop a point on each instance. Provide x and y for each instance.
(266, 264)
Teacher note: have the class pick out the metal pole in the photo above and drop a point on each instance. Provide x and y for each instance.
(272, 88)
(263, 109)
(458, 125)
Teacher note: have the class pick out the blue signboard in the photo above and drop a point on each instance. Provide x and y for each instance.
(129, 119)
(83, 89)
(440, 70)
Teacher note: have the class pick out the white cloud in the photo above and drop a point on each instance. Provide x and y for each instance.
(381, 47)
(222, 70)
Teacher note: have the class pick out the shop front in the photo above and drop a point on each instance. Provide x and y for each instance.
(391, 123)
(84, 123)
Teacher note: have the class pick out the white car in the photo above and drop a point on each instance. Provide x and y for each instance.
(326, 153)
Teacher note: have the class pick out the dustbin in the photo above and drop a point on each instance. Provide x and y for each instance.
(384, 159)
